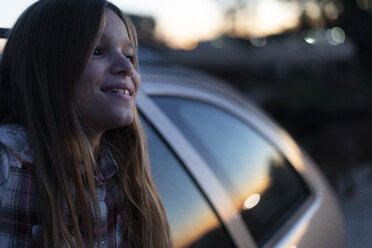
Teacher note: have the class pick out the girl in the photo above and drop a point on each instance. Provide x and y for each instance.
(74, 170)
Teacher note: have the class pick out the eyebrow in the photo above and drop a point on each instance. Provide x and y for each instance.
(127, 43)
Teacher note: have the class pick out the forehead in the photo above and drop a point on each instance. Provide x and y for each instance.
(114, 28)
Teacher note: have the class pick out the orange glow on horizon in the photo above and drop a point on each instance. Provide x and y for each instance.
(184, 29)
(260, 185)
(268, 17)
(207, 223)
(207, 220)
(186, 23)
(183, 24)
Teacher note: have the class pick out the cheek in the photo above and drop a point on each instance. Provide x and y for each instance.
(90, 75)
(87, 85)
(136, 78)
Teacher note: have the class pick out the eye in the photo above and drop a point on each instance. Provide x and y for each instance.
(98, 51)
(131, 58)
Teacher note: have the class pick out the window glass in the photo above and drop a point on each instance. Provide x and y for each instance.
(262, 184)
(193, 222)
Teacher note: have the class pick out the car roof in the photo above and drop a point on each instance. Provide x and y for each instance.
(160, 76)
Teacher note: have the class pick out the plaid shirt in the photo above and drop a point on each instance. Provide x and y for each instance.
(20, 208)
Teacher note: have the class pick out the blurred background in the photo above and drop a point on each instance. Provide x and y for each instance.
(305, 62)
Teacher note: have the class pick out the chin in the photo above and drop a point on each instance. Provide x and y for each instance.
(109, 122)
(123, 122)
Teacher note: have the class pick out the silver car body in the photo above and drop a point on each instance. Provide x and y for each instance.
(317, 223)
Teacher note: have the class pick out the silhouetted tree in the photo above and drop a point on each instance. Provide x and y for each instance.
(357, 23)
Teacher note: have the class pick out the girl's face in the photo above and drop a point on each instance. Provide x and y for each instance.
(106, 91)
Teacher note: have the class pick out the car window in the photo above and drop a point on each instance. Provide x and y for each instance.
(193, 222)
(262, 184)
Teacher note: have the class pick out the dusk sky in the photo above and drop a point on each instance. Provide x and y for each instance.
(183, 23)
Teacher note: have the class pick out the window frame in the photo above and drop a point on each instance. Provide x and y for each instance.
(226, 99)
(198, 169)
(189, 175)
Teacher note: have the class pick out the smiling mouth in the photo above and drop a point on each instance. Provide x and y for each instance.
(122, 93)
(119, 91)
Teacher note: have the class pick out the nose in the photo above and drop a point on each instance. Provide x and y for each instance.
(121, 66)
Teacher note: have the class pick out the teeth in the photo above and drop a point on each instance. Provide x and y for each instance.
(120, 91)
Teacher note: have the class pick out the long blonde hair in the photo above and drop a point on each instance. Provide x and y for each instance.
(46, 52)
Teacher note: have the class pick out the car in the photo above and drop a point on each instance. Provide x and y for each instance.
(228, 175)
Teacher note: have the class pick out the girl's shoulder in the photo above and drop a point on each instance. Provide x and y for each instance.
(14, 145)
